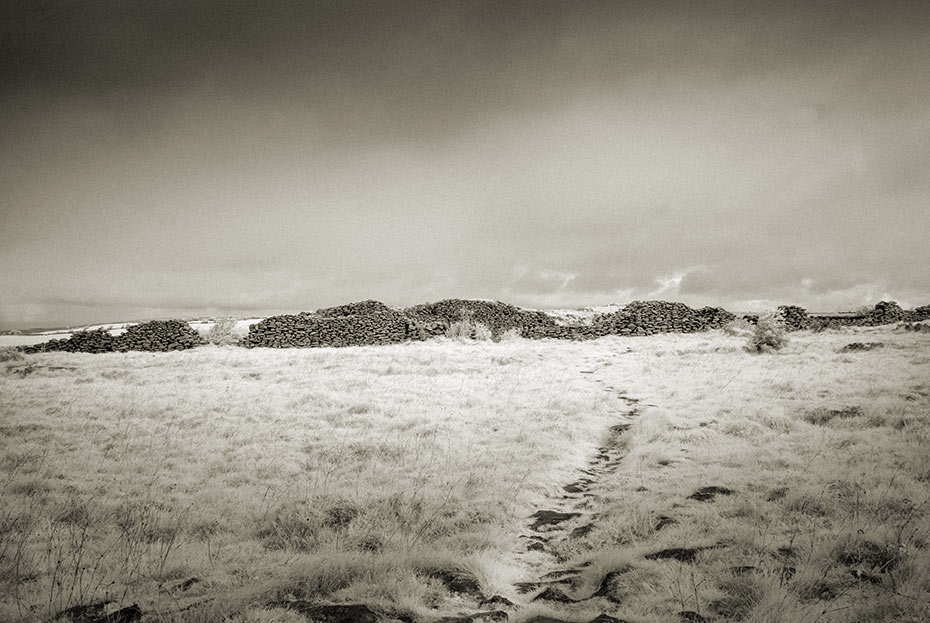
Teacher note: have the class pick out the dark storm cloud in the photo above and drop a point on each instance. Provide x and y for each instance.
(374, 63)
(423, 64)
(237, 155)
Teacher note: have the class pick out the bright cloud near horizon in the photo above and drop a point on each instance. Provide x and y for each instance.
(222, 158)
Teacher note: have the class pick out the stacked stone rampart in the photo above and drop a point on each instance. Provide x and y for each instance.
(651, 317)
(794, 317)
(885, 312)
(496, 316)
(918, 314)
(425, 329)
(372, 323)
(564, 332)
(640, 318)
(358, 324)
(716, 317)
(159, 335)
(835, 321)
(361, 308)
(95, 341)
(156, 335)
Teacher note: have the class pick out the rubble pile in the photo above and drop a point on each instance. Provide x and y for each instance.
(94, 341)
(795, 318)
(885, 312)
(361, 308)
(498, 317)
(156, 335)
(716, 317)
(159, 335)
(371, 322)
(357, 324)
(918, 314)
(651, 317)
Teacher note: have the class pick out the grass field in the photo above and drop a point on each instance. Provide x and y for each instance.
(222, 484)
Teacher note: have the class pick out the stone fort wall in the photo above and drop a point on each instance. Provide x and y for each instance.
(373, 323)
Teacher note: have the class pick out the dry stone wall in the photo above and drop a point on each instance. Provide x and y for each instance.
(159, 335)
(829, 321)
(360, 308)
(650, 317)
(498, 317)
(640, 318)
(916, 315)
(372, 323)
(884, 312)
(332, 328)
(795, 318)
(563, 332)
(95, 341)
(156, 335)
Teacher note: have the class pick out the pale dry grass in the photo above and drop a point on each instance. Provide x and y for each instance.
(852, 478)
(235, 465)
(349, 474)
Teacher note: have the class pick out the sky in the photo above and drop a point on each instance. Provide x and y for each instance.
(190, 158)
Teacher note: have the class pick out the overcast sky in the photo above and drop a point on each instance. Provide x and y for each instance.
(186, 158)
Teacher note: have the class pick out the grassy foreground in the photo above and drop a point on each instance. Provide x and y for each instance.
(218, 484)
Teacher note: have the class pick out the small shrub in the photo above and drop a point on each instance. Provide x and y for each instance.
(511, 335)
(221, 333)
(739, 328)
(768, 334)
(459, 330)
(466, 329)
(481, 332)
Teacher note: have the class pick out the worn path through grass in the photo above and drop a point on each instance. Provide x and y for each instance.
(225, 484)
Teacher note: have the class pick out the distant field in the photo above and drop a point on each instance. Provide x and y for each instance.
(28, 340)
(681, 475)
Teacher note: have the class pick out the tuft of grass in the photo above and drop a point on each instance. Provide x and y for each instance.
(305, 525)
(867, 555)
(743, 591)
(255, 614)
(821, 416)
